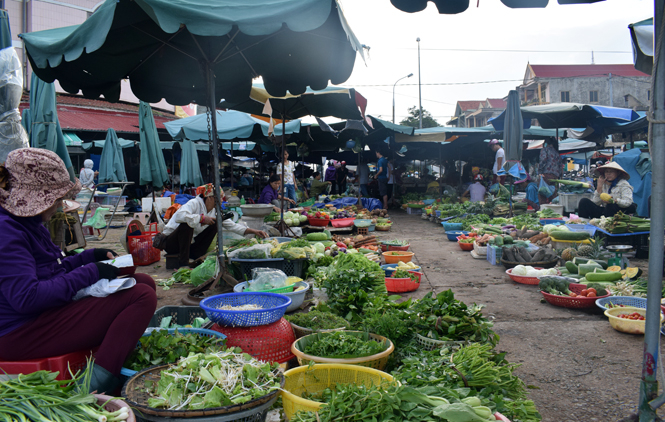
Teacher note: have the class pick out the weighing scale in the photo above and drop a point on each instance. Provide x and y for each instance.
(618, 250)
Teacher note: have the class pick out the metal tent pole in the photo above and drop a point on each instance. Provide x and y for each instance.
(283, 202)
(210, 76)
(649, 381)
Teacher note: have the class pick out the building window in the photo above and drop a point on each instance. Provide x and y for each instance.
(565, 96)
(649, 95)
(593, 96)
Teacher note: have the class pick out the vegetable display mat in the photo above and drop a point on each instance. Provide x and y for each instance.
(134, 392)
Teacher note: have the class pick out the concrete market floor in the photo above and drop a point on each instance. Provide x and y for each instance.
(577, 368)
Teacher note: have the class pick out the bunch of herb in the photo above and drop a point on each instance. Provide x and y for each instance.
(298, 243)
(442, 317)
(475, 368)
(317, 320)
(390, 402)
(528, 220)
(343, 345)
(160, 348)
(204, 381)
(405, 274)
(182, 275)
(352, 282)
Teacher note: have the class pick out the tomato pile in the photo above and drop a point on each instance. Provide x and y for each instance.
(635, 316)
(585, 293)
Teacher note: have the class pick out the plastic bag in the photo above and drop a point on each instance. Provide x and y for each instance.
(260, 251)
(12, 133)
(205, 271)
(291, 253)
(544, 189)
(105, 287)
(266, 279)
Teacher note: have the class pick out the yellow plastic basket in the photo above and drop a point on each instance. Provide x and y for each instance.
(627, 325)
(377, 361)
(314, 379)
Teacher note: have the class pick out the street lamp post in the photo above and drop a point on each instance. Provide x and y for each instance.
(407, 76)
(420, 100)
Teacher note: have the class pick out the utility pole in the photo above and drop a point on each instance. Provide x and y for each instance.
(611, 95)
(649, 380)
(420, 99)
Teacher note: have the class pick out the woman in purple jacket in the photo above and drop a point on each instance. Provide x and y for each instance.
(38, 318)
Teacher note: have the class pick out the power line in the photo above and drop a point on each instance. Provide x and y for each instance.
(450, 83)
(473, 50)
(405, 95)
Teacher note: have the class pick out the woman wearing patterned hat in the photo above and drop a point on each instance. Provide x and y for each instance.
(192, 228)
(613, 194)
(38, 317)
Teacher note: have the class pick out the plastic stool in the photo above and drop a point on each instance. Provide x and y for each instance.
(142, 217)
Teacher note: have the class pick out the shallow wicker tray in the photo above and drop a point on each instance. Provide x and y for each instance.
(376, 361)
(383, 228)
(137, 398)
(540, 264)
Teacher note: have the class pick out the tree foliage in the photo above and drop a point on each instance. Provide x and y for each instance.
(414, 118)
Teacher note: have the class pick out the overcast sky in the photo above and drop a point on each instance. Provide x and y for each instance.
(462, 56)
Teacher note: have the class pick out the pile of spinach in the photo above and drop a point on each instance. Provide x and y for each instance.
(343, 345)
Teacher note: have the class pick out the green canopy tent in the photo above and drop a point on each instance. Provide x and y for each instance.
(156, 44)
(190, 170)
(111, 163)
(45, 131)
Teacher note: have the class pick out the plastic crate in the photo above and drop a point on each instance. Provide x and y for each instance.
(414, 211)
(494, 255)
(294, 267)
(247, 265)
(111, 200)
(181, 315)
(570, 201)
(75, 361)
(589, 228)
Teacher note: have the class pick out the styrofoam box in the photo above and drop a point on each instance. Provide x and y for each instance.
(570, 201)
(162, 204)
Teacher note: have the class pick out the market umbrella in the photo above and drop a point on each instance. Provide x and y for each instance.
(45, 131)
(5, 31)
(153, 167)
(641, 36)
(512, 131)
(190, 170)
(158, 44)
(111, 162)
(231, 124)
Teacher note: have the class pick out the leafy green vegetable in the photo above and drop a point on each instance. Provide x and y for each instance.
(160, 348)
(342, 345)
(317, 320)
(203, 381)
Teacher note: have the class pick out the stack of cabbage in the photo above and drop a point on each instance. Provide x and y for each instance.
(529, 271)
(293, 218)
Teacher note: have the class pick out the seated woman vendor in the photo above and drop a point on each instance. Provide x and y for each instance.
(531, 190)
(613, 194)
(192, 228)
(38, 318)
(270, 194)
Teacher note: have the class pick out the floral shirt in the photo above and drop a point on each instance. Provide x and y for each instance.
(550, 161)
(622, 194)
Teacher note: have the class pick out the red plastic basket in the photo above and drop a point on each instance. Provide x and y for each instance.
(141, 249)
(342, 222)
(572, 302)
(74, 360)
(322, 222)
(398, 248)
(524, 279)
(269, 343)
(465, 246)
(403, 285)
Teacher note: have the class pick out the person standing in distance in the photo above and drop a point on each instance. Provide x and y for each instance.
(382, 176)
(499, 161)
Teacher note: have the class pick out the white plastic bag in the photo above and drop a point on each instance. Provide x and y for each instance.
(105, 287)
(260, 251)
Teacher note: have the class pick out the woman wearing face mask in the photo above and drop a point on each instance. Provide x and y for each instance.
(613, 194)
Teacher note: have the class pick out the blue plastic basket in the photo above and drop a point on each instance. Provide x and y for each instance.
(297, 296)
(274, 305)
(202, 331)
(438, 213)
(428, 201)
(451, 226)
(452, 235)
(635, 302)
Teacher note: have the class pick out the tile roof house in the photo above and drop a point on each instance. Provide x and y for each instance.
(476, 113)
(617, 85)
